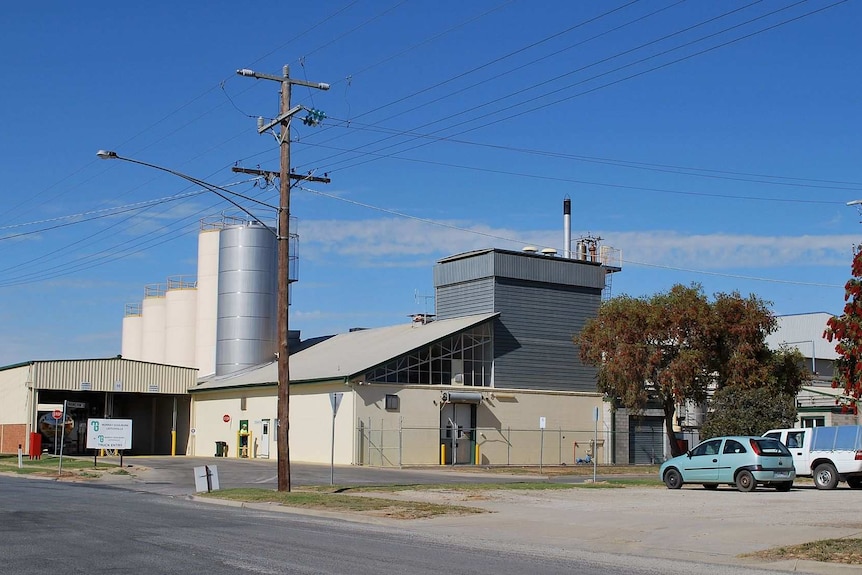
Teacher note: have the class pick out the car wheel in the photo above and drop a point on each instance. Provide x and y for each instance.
(825, 476)
(783, 486)
(710, 486)
(854, 482)
(745, 481)
(672, 479)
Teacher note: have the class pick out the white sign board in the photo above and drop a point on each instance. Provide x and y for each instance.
(206, 478)
(109, 434)
(541, 423)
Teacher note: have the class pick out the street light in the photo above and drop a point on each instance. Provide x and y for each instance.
(283, 326)
(217, 190)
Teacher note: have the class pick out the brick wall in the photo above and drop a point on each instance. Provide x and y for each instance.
(12, 434)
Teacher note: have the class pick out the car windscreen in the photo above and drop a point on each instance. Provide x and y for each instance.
(770, 447)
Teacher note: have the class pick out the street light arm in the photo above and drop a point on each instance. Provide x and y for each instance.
(111, 155)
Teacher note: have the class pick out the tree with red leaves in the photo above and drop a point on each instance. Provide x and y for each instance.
(677, 346)
(846, 330)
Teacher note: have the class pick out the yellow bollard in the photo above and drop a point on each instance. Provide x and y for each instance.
(442, 454)
(173, 442)
(476, 461)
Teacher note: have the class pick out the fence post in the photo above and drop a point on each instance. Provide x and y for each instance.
(400, 441)
(560, 462)
(508, 446)
(541, 447)
(380, 448)
(369, 440)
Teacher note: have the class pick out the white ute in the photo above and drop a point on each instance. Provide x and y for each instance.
(828, 454)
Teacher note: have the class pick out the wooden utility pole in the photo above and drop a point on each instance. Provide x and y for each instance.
(283, 235)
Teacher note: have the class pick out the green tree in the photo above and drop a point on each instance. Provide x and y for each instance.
(678, 346)
(746, 410)
(846, 330)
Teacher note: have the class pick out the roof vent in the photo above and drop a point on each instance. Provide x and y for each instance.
(549, 252)
(530, 249)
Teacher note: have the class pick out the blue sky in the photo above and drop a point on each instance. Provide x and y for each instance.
(711, 142)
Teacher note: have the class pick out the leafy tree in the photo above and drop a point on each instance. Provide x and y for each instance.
(847, 331)
(746, 410)
(678, 346)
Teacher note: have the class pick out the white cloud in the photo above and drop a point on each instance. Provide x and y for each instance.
(404, 242)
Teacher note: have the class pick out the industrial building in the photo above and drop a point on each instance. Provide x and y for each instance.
(494, 377)
(154, 396)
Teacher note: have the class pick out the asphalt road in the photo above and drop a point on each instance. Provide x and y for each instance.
(55, 527)
(175, 475)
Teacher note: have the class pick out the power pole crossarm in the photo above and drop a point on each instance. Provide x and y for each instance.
(284, 174)
(270, 174)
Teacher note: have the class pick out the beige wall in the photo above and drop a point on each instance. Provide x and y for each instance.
(310, 421)
(367, 433)
(15, 394)
(507, 426)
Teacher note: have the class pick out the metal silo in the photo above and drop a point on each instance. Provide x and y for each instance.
(153, 324)
(207, 303)
(133, 336)
(247, 296)
(180, 325)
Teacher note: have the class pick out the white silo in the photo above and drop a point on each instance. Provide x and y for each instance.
(180, 325)
(247, 296)
(153, 324)
(207, 304)
(130, 347)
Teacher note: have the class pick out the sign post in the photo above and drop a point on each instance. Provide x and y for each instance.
(595, 440)
(335, 401)
(109, 434)
(57, 415)
(541, 441)
(62, 436)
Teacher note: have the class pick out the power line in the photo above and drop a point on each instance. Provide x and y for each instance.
(688, 171)
(600, 184)
(594, 89)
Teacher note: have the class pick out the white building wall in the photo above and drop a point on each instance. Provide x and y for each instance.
(367, 432)
(153, 315)
(207, 301)
(15, 393)
(133, 337)
(310, 422)
(180, 327)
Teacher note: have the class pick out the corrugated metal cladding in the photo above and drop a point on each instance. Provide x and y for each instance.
(518, 265)
(465, 299)
(533, 344)
(115, 374)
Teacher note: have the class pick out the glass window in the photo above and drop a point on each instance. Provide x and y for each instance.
(707, 448)
(733, 446)
(795, 439)
(464, 359)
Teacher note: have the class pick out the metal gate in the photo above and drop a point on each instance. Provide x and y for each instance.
(646, 439)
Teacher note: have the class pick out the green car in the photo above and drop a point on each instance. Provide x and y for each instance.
(739, 461)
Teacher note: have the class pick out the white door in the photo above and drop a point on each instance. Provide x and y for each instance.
(796, 445)
(263, 446)
(456, 432)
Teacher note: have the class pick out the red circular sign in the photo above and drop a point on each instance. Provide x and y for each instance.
(226, 418)
(57, 414)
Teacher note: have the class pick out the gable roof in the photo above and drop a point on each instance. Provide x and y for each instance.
(348, 355)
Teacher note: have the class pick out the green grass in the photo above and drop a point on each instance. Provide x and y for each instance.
(847, 551)
(340, 502)
(50, 463)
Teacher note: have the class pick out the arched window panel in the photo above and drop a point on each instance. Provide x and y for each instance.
(471, 353)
